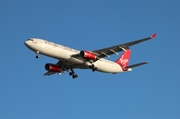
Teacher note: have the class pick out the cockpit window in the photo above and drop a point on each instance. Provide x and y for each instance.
(29, 39)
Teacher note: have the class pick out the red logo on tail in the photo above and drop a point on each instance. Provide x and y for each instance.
(124, 59)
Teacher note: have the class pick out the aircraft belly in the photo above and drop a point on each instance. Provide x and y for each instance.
(64, 56)
(108, 67)
(79, 63)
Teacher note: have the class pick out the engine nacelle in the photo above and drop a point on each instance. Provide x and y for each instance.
(52, 67)
(87, 55)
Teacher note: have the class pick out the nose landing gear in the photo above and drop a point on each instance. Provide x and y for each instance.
(37, 56)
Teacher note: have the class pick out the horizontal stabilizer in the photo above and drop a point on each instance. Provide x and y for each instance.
(136, 65)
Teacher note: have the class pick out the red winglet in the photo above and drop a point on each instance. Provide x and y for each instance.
(153, 36)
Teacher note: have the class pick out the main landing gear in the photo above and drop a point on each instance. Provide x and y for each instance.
(37, 56)
(72, 73)
(93, 67)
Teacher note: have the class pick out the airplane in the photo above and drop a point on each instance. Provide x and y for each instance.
(70, 59)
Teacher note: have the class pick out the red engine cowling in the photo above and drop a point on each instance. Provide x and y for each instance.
(87, 55)
(52, 67)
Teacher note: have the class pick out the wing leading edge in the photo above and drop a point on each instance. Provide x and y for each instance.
(118, 48)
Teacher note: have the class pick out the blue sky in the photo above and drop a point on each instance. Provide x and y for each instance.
(149, 92)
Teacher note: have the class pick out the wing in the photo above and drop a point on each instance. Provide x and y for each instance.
(105, 52)
(49, 73)
(65, 66)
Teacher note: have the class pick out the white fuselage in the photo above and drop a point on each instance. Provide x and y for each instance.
(64, 53)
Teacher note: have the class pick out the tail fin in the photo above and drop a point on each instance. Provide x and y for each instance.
(124, 59)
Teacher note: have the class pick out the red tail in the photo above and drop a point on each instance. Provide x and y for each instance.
(124, 59)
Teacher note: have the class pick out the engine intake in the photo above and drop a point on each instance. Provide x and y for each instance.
(52, 67)
(87, 55)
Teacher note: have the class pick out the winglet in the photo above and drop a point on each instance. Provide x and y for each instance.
(153, 36)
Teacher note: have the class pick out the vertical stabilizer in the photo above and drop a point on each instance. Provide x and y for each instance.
(124, 59)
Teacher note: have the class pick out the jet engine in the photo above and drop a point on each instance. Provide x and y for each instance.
(52, 67)
(87, 55)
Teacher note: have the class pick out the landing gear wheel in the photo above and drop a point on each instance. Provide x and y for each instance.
(74, 76)
(70, 73)
(93, 68)
(37, 56)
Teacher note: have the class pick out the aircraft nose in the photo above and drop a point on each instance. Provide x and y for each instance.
(26, 43)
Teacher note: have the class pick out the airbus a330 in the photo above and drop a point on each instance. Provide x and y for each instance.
(70, 59)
